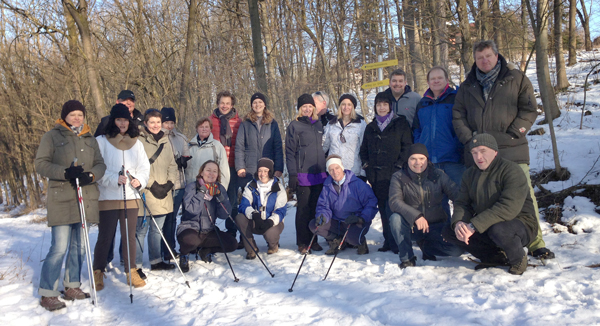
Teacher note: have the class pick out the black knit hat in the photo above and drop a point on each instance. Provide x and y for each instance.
(70, 106)
(486, 140)
(125, 95)
(305, 99)
(120, 111)
(418, 148)
(350, 97)
(168, 114)
(259, 96)
(265, 163)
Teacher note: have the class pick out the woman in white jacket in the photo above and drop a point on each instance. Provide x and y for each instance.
(203, 148)
(122, 151)
(344, 134)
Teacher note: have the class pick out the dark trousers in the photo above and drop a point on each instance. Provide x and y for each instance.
(385, 212)
(106, 233)
(305, 212)
(509, 236)
(246, 227)
(170, 224)
(232, 193)
(335, 228)
(189, 240)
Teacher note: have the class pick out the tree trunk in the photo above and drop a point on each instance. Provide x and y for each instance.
(524, 33)
(572, 32)
(561, 73)
(184, 93)
(585, 22)
(257, 48)
(466, 46)
(497, 22)
(484, 20)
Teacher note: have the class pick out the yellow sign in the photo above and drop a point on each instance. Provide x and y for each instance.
(384, 82)
(380, 64)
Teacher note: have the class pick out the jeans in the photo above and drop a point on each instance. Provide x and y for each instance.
(455, 172)
(64, 238)
(171, 223)
(154, 239)
(431, 243)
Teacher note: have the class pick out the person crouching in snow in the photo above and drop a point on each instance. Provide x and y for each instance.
(203, 201)
(494, 216)
(416, 201)
(346, 203)
(262, 209)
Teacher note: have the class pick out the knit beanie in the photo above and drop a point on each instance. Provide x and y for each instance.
(120, 111)
(258, 95)
(486, 140)
(168, 114)
(70, 106)
(266, 163)
(305, 99)
(349, 97)
(418, 148)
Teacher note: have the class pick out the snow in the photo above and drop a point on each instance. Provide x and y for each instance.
(360, 290)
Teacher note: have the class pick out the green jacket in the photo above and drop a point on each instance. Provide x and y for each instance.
(55, 153)
(498, 194)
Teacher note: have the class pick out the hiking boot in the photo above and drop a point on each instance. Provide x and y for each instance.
(251, 255)
(240, 244)
(362, 248)
(161, 266)
(99, 279)
(168, 256)
(333, 246)
(52, 303)
(205, 255)
(519, 269)
(273, 249)
(141, 274)
(136, 280)
(408, 263)
(184, 263)
(386, 247)
(75, 294)
(303, 249)
(543, 253)
(316, 246)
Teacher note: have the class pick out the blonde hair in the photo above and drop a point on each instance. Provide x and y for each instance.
(340, 115)
(314, 113)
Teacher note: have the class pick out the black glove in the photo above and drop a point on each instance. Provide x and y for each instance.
(353, 219)
(161, 191)
(256, 216)
(168, 186)
(182, 162)
(293, 182)
(85, 179)
(73, 171)
(320, 220)
(261, 226)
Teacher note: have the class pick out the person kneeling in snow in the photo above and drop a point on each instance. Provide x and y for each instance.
(416, 199)
(345, 204)
(493, 215)
(262, 209)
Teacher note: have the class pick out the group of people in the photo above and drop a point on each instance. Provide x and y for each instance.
(466, 145)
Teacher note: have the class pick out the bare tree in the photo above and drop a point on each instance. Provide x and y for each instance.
(561, 72)
(572, 32)
(584, 17)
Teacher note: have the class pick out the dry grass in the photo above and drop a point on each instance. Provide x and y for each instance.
(39, 220)
(18, 271)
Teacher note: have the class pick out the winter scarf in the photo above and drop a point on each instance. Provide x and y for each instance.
(384, 121)
(487, 80)
(263, 190)
(81, 130)
(122, 142)
(157, 136)
(225, 133)
(212, 189)
(201, 141)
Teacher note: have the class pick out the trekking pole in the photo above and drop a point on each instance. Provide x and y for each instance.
(338, 250)
(291, 289)
(122, 172)
(235, 279)
(247, 240)
(86, 238)
(159, 230)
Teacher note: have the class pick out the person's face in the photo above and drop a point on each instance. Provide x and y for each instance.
(153, 124)
(336, 172)
(210, 173)
(122, 124)
(258, 106)
(486, 60)
(397, 84)
(263, 174)
(346, 106)
(417, 163)
(169, 125)
(75, 118)
(225, 104)
(437, 81)
(307, 110)
(483, 156)
(129, 103)
(320, 104)
(382, 108)
(203, 130)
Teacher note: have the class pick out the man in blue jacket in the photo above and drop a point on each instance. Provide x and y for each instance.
(345, 204)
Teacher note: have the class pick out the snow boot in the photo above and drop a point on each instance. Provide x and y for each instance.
(75, 294)
(99, 279)
(162, 266)
(316, 246)
(385, 247)
(273, 249)
(333, 246)
(543, 253)
(303, 249)
(408, 263)
(363, 248)
(520, 268)
(250, 255)
(52, 303)
(205, 255)
(136, 280)
(184, 263)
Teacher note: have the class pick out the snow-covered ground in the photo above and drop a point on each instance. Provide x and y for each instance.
(360, 290)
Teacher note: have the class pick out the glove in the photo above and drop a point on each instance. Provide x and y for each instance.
(219, 196)
(161, 191)
(261, 226)
(293, 182)
(320, 220)
(85, 179)
(353, 219)
(73, 171)
(182, 162)
(256, 216)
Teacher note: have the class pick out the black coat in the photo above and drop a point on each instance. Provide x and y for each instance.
(304, 147)
(138, 119)
(384, 152)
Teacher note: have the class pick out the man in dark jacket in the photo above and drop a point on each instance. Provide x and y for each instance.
(416, 196)
(127, 98)
(494, 217)
(497, 98)
(404, 100)
(346, 204)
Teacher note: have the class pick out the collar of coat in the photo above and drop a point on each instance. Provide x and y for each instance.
(447, 91)
(85, 129)
(430, 173)
(194, 140)
(121, 142)
(505, 67)
(335, 120)
(274, 188)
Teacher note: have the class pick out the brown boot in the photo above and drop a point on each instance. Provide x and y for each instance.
(136, 280)
(75, 294)
(52, 303)
(273, 249)
(99, 279)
